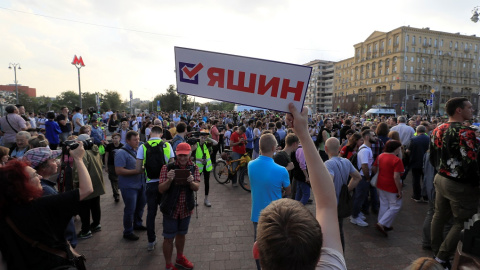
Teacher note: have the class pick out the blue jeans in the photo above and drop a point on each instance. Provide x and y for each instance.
(303, 192)
(135, 201)
(361, 193)
(153, 201)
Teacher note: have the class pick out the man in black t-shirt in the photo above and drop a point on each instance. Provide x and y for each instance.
(64, 123)
(110, 168)
(282, 158)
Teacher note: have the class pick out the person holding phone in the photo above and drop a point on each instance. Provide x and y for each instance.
(177, 183)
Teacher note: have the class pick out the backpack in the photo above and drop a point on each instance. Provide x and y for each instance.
(354, 158)
(154, 160)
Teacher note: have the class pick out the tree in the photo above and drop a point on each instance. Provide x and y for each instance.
(68, 98)
(111, 100)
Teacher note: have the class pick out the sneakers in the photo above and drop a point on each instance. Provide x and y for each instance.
(416, 200)
(84, 235)
(171, 268)
(96, 228)
(362, 216)
(445, 264)
(207, 203)
(184, 262)
(131, 237)
(358, 221)
(151, 245)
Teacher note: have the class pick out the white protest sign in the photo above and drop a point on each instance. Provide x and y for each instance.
(241, 80)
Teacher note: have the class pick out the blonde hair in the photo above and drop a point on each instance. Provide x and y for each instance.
(425, 263)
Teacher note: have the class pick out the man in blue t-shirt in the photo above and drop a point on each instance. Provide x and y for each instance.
(267, 179)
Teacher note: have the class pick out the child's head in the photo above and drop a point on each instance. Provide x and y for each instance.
(288, 236)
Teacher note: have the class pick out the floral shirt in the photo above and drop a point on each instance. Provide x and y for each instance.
(453, 152)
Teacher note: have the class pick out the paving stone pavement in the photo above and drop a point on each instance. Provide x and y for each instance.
(222, 236)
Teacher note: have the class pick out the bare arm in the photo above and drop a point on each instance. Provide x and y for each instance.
(366, 171)
(322, 183)
(139, 164)
(125, 172)
(84, 181)
(356, 177)
(162, 187)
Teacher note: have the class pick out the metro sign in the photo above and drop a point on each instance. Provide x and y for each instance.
(78, 61)
(241, 80)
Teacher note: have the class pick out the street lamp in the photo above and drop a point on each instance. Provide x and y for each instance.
(15, 65)
(474, 18)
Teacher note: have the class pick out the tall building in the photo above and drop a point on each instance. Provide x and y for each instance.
(407, 69)
(320, 87)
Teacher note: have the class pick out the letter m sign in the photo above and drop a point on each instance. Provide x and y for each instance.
(78, 61)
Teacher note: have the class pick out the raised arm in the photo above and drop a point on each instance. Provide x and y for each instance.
(84, 181)
(320, 180)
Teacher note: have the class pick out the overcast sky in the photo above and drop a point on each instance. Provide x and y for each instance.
(128, 45)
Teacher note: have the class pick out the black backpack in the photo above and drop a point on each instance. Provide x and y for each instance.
(354, 158)
(154, 160)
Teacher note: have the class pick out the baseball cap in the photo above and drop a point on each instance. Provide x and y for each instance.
(37, 156)
(82, 137)
(183, 149)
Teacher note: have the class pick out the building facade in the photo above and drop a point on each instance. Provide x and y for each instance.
(31, 92)
(320, 87)
(407, 69)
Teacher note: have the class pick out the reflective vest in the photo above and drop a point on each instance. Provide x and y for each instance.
(166, 153)
(199, 155)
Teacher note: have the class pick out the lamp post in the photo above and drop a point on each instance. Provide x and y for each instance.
(78, 63)
(15, 65)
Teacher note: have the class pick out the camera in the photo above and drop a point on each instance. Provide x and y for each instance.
(193, 137)
(87, 144)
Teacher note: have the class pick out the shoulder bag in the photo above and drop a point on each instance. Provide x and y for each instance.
(374, 179)
(345, 201)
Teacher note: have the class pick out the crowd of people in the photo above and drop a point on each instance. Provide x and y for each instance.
(159, 159)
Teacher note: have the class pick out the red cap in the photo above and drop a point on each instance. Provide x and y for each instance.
(183, 149)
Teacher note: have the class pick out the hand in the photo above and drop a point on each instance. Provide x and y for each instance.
(190, 179)
(171, 175)
(79, 152)
(298, 120)
(307, 180)
(399, 195)
(290, 166)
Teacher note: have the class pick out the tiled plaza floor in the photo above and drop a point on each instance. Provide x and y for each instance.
(222, 236)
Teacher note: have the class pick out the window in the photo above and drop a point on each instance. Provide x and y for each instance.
(456, 45)
(413, 40)
(406, 59)
(413, 59)
(435, 43)
(451, 44)
(441, 43)
(411, 69)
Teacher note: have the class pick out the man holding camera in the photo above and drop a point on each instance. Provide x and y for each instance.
(177, 203)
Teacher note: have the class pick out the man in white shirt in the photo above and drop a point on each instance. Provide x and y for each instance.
(405, 132)
(364, 163)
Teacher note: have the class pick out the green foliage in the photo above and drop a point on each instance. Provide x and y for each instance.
(219, 106)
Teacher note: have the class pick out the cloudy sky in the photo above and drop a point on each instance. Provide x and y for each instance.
(128, 45)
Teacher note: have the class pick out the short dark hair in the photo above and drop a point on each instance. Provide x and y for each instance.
(382, 129)
(290, 139)
(63, 107)
(181, 127)
(77, 109)
(347, 122)
(288, 236)
(251, 121)
(18, 105)
(116, 135)
(156, 130)
(454, 103)
(10, 109)
(50, 115)
(391, 146)
(278, 125)
(366, 133)
(242, 128)
(131, 134)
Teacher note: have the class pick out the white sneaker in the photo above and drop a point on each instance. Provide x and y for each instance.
(207, 203)
(362, 216)
(358, 221)
(151, 246)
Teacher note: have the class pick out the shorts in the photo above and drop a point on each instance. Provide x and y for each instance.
(174, 226)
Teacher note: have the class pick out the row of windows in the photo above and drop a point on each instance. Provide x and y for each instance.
(465, 46)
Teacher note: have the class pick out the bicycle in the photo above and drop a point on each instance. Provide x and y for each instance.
(223, 168)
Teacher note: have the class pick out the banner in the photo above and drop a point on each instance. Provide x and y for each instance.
(241, 80)
(158, 105)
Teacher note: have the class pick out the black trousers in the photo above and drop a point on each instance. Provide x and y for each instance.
(87, 207)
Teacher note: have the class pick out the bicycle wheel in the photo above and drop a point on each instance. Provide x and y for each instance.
(244, 180)
(220, 172)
